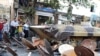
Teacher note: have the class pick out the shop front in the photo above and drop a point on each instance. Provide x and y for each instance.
(42, 17)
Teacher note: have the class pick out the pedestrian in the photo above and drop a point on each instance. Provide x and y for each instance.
(26, 29)
(20, 30)
(13, 27)
(6, 27)
(93, 18)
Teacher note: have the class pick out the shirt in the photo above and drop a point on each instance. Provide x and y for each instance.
(93, 17)
(1, 26)
(20, 28)
(26, 27)
(6, 27)
(14, 23)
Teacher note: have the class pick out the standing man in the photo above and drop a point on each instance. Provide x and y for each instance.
(93, 18)
(14, 24)
(26, 29)
(69, 12)
(6, 27)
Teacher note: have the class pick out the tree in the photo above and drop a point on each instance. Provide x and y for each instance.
(29, 10)
(55, 5)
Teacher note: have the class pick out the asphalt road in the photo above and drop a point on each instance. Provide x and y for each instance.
(21, 52)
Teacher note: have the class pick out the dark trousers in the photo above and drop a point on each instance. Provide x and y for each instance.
(12, 31)
(26, 33)
(0, 35)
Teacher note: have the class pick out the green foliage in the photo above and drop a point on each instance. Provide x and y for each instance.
(46, 1)
(29, 10)
(84, 3)
(53, 3)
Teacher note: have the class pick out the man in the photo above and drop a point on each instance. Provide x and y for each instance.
(6, 26)
(26, 29)
(93, 19)
(14, 24)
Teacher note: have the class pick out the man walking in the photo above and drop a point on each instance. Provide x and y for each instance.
(6, 27)
(14, 24)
